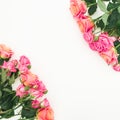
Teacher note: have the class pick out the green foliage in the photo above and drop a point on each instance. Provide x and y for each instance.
(92, 9)
(102, 5)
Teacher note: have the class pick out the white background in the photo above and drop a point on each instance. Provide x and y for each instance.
(81, 85)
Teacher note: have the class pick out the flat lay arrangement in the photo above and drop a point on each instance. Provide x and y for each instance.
(100, 31)
(28, 100)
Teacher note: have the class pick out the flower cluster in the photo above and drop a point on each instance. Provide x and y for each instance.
(28, 99)
(101, 33)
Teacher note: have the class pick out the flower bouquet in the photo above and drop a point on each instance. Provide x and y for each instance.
(99, 21)
(27, 101)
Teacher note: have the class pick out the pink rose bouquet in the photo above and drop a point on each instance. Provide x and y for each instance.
(101, 33)
(28, 99)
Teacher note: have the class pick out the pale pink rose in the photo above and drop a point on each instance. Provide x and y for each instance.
(103, 44)
(21, 92)
(28, 79)
(88, 36)
(85, 24)
(44, 103)
(37, 89)
(110, 56)
(36, 93)
(35, 104)
(23, 69)
(116, 67)
(5, 52)
(10, 65)
(78, 7)
(45, 114)
(24, 61)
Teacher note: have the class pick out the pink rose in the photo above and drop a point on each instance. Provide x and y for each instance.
(24, 61)
(85, 24)
(21, 92)
(109, 56)
(88, 36)
(45, 114)
(28, 79)
(116, 67)
(23, 69)
(78, 7)
(35, 104)
(44, 103)
(10, 65)
(38, 89)
(103, 44)
(5, 52)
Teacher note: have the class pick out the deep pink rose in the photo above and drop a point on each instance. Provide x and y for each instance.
(103, 44)
(116, 67)
(88, 36)
(5, 52)
(23, 69)
(35, 104)
(21, 92)
(38, 89)
(10, 65)
(24, 61)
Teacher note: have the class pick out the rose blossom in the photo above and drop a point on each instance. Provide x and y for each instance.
(5, 52)
(109, 56)
(103, 44)
(85, 24)
(116, 67)
(21, 92)
(44, 103)
(10, 65)
(23, 69)
(28, 79)
(77, 7)
(88, 36)
(35, 104)
(24, 61)
(38, 89)
(45, 114)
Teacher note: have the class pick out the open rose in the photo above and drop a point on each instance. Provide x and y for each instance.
(109, 56)
(21, 92)
(45, 114)
(103, 44)
(116, 67)
(88, 36)
(85, 24)
(5, 52)
(77, 7)
(10, 65)
(28, 79)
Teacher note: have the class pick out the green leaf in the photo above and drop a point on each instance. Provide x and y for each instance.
(0, 93)
(3, 75)
(92, 9)
(119, 9)
(12, 79)
(7, 90)
(112, 6)
(105, 18)
(116, 43)
(8, 114)
(102, 6)
(100, 24)
(118, 49)
(28, 112)
(118, 59)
